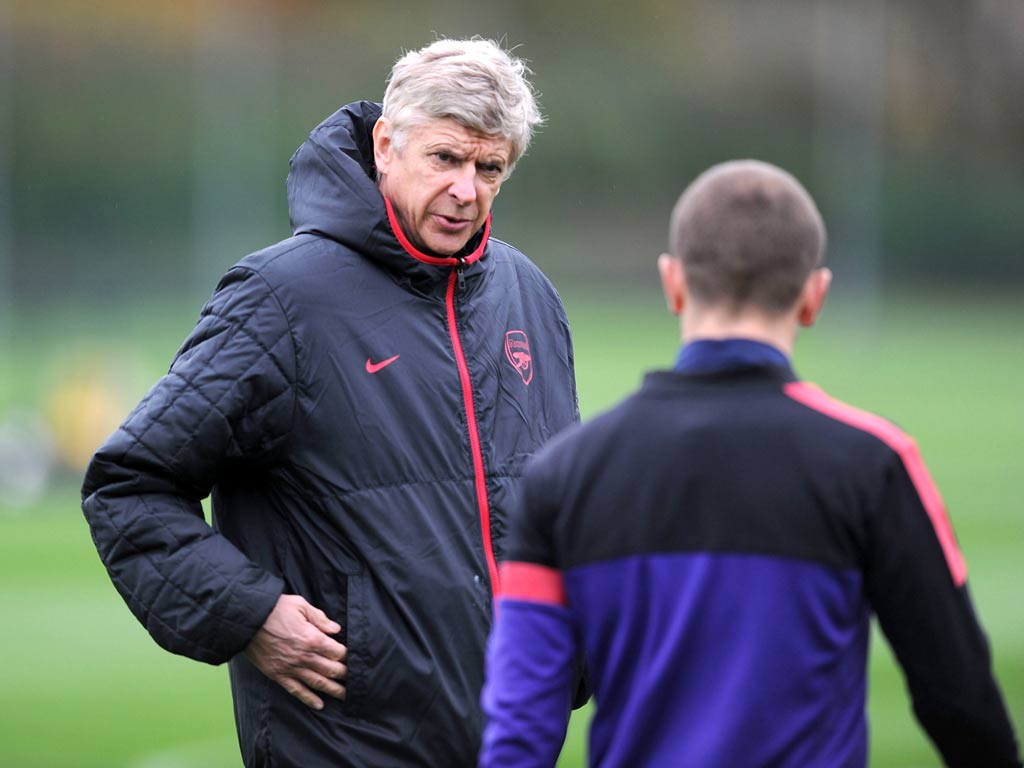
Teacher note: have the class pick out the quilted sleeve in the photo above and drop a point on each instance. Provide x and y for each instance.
(226, 404)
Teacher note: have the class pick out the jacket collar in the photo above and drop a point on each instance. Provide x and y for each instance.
(471, 252)
(743, 374)
(709, 355)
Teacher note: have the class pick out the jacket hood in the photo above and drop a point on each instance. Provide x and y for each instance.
(332, 192)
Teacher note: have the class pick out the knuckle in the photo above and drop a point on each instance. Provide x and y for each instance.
(310, 636)
(312, 679)
(333, 650)
(333, 689)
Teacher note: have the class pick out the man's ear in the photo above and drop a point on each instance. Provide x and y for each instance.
(673, 282)
(812, 297)
(383, 146)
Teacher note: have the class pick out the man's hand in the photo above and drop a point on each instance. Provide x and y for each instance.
(293, 648)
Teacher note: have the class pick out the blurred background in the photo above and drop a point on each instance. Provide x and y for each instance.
(143, 150)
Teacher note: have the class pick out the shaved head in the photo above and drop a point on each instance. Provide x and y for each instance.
(748, 235)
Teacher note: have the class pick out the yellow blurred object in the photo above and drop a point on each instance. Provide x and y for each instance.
(82, 412)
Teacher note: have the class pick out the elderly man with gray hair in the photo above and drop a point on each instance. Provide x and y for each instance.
(359, 400)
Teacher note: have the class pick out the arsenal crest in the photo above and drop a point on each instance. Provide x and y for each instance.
(517, 350)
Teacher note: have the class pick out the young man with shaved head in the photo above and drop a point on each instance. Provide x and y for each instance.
(716, 544)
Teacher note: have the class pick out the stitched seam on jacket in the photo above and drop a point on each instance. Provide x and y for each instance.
(294, 382)
(123, 535)
(425, 481)
(230, 583)
(189, 385)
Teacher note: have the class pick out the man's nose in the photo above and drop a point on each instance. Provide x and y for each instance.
(463, 186)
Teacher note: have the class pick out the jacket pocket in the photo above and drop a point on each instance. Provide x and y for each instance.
(393, 676)
(356, 630)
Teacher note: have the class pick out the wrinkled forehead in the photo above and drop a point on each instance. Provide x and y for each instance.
(447, 132)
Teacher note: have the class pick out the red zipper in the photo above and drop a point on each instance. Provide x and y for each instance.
(474, 437)
(460, 360)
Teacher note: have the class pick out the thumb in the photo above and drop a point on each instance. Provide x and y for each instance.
(319, 619)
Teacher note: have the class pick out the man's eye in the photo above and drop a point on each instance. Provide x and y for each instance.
(444, 157)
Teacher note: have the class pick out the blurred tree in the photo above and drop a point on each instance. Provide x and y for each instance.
(149, 143)
(236, 169)
(6, 187)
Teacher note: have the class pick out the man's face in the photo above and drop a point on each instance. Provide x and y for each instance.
(441, 182)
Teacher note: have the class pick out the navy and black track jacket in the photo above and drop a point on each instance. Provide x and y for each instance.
(361, 413)
(716, 545)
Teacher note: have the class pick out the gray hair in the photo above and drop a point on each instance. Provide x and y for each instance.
(474, 82)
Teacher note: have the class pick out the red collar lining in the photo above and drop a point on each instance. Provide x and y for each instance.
(437, 261)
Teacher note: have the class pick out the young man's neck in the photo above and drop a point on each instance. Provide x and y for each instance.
(779, 331)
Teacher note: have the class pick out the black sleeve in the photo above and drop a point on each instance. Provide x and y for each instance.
(571, 360)
(227, 401)
(916, 586)
(532, 538)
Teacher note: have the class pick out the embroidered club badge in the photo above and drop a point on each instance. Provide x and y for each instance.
(517, 350)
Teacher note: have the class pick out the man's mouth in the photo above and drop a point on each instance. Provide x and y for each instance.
(451, 223)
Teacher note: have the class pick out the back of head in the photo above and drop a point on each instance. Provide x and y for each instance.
(474, 82)
(748, 235)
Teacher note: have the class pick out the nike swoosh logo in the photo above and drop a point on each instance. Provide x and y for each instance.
(372, 367)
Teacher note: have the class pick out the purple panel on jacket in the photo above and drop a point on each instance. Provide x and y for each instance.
(527, 694)
(723, 660)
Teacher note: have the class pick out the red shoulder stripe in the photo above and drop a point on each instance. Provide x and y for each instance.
(904, 445)
(532, 582)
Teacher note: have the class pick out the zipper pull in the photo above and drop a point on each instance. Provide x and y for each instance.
(459, 269)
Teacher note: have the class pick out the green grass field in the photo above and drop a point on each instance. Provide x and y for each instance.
(83, 685)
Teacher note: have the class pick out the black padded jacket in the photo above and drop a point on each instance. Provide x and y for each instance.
(360, 413)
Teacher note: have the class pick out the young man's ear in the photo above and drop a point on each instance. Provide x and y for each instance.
(383, 146)
(673, 282)
(812, 297)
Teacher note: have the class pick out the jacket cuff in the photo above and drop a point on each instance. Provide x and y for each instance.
(260, 599)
